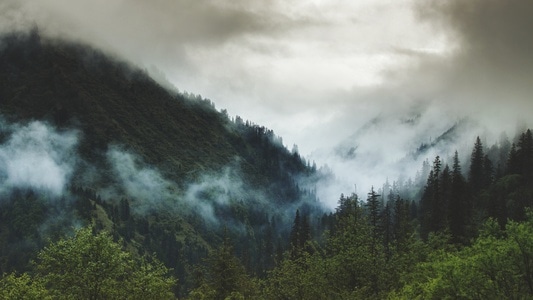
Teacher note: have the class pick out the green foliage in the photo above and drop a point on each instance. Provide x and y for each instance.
(26, 220)
(498, 265)
(459, 208)
(353, 263)
(224, 277)
(22, 287)
(300, 236)
(150, 280)
(475, 173)
(84, 266)
(305, 277)
(94, 267)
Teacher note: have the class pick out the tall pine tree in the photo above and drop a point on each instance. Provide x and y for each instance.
(300, 235)
(431, 213)
(459, 210)
(525, 154)
(476, 172)
(373, 204)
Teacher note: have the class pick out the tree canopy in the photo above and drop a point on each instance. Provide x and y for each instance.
(91, 266)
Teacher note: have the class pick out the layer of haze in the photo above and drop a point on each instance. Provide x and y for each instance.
(378, 76)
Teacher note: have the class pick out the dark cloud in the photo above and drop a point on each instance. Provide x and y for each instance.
(154, 23)
(192, 21)
(499, 30)
(494, 55)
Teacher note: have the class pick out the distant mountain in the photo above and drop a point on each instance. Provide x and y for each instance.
(450, 136)
(418, 140)
(193, 171)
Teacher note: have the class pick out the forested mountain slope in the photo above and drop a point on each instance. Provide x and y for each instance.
(89, 139)
(113, 187)
(73, 85)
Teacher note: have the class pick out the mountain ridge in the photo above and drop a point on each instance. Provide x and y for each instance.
(75, 85)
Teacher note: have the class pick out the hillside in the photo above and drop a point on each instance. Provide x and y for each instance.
(162, 170)
(111, 101)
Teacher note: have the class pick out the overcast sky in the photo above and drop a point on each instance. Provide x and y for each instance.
(316, 71)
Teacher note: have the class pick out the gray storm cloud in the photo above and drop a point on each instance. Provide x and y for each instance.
(157, 29)
(492, 34)
(493, 62)
(37, 156)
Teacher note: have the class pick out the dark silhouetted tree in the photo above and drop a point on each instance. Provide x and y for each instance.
(488, 172)
(525, 154)
(401, 223)
(476, 172)
(300, 235)
(373, 205)
(431, 204)
(294, 238)
(225, 276)
(440, 208)
(459, 210)
(513, 162)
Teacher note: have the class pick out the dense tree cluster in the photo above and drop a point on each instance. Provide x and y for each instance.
(468, 236)
(89, 266)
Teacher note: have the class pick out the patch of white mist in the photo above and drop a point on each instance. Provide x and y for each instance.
(37, 156)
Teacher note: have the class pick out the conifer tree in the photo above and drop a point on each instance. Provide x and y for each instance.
(401, 223)
(513, 163)
(300, 235)
(525, 154)
(440, 206)
(426, 203)
(387, 227)
(227, 273)
(476, 172)
(503, 155)
(459, 209)
(269, 248)
(225, 277)
(374, 218)
(347, 207)
(305, 233)
(488, 172)
(294, 238)
(431, 202)
(374, 210)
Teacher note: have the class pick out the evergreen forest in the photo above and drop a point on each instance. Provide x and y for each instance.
(150, 193)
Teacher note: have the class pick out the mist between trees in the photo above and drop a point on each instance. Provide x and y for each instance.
(222, 238)
(49, 191)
